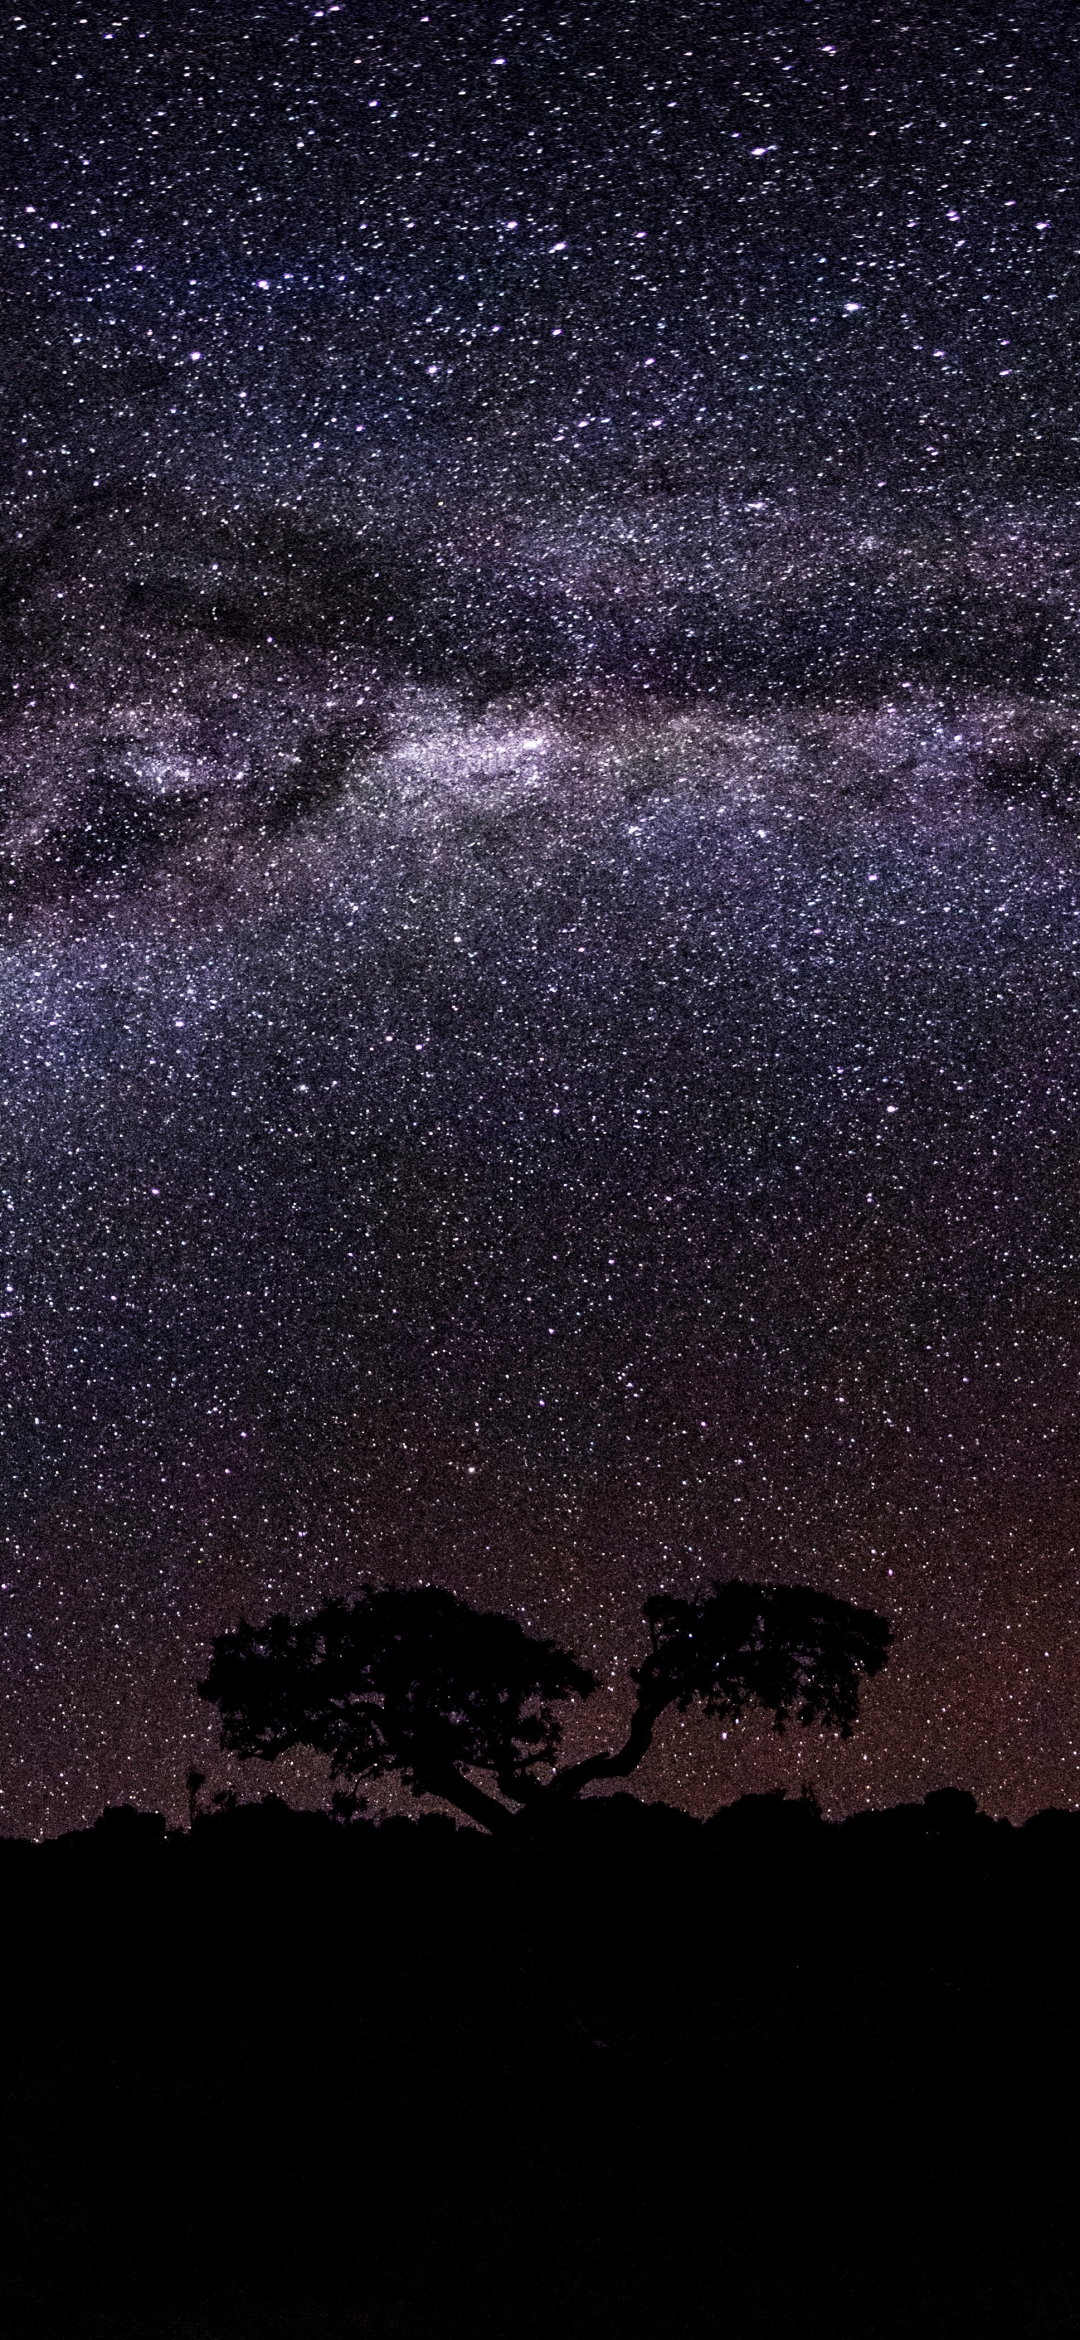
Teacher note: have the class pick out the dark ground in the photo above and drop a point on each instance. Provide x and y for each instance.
(283, 2077)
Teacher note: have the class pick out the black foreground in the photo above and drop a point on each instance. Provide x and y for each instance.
(286, 2077)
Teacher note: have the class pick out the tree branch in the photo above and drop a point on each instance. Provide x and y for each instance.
(449, 1783)
(617, 1766)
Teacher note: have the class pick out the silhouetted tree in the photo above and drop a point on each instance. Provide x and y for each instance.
(419, 1683)
(414, 1682)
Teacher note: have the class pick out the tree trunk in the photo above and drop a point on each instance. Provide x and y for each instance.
(472, 1800)
(618, 1766)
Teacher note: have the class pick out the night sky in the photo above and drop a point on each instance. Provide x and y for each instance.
(540, 797)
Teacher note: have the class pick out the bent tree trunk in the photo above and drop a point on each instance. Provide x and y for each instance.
(618, 1766)
(453, 1788)
(533, 1795)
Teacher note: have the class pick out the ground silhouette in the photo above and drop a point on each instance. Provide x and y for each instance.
(628, 2077)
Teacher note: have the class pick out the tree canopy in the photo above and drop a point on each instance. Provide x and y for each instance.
(417, 1682)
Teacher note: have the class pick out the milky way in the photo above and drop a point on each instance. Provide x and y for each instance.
(538, 1024)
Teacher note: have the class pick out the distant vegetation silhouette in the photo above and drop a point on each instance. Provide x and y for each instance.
(419, 1683)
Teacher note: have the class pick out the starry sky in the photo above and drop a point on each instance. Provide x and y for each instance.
(540, 800)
